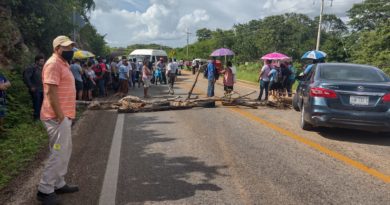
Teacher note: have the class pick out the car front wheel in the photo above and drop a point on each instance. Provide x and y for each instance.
(304, 124)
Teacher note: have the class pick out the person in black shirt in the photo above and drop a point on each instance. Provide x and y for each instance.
(33, 79)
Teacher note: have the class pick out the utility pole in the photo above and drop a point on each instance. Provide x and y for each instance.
(188, 40)
(319, 26)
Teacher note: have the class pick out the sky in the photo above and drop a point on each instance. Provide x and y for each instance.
(126, 22)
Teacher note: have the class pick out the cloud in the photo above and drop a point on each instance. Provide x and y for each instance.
(165, 21)
(195, 17)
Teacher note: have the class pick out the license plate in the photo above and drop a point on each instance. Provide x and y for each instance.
(359, 100)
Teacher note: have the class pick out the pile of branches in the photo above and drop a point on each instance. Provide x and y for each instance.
(133, 104)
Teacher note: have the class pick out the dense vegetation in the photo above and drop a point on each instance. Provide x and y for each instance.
(365, 39)
(27, 28)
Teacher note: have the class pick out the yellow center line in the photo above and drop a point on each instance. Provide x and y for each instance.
(315, 145)
(348, 161)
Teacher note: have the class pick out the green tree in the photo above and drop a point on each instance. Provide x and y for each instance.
(369, 15)
(333, 40)
(223, 38)
(93, 41)
(372, 47)
(203, 34)
(332, 24)
(40, 21)
(245, 36)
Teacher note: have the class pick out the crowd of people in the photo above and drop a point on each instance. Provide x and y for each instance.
(99, 77)
(276, 78)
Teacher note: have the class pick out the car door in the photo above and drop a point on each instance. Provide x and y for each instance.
(305, 85)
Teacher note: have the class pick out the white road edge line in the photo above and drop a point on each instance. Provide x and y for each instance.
(108, 192)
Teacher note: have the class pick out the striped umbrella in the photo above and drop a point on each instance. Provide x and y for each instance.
(315, 55)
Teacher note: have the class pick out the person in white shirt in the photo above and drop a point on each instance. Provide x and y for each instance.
(171, 73)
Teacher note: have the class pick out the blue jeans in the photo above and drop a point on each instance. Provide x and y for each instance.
(210, 88)
(264, 85)
(102, 88)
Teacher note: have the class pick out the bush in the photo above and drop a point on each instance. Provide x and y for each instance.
(24, 138)
(18, 147)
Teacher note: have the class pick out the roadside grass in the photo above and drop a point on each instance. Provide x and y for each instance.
(24, 138)
(248, 72)
(19, 146)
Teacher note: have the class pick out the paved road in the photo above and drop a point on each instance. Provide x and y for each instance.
(222, 156)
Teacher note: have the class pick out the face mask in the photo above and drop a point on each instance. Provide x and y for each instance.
(67, 55)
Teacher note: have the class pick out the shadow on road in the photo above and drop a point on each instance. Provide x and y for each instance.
(355, 136)
(149, 176)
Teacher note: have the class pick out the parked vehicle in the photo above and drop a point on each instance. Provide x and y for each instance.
(344, 95)
(151, 55)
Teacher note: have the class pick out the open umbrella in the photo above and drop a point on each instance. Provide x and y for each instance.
(315, 55)
(275, 56)
(222, 52)
(81, 54)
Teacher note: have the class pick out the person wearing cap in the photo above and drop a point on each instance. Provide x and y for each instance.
(58, 111)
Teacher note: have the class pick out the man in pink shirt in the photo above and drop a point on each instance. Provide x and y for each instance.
(58, 110)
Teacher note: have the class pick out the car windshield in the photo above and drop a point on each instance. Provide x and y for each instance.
(352, 73)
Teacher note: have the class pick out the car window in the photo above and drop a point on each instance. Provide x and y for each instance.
(352, 73)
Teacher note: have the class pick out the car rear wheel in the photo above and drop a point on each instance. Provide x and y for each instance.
(295, 102)
(304, 124)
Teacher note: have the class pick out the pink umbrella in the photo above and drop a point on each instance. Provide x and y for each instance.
(222, 52)
(275, 56)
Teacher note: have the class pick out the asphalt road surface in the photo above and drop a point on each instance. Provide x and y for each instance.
(223, 155)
